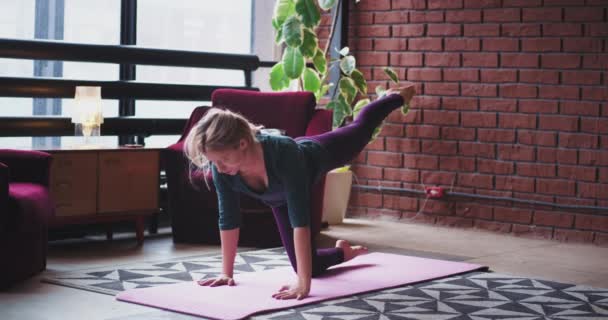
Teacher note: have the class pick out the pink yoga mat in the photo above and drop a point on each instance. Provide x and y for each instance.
(253, 292)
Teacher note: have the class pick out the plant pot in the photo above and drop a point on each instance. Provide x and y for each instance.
(338, 183)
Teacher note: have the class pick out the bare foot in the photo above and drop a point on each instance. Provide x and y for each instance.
(350, 251)
(407, 90)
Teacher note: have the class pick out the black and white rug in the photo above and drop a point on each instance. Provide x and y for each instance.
(476, 296)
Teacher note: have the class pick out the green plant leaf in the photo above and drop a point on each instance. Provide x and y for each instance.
(360, 82)
(310, 43)
(309, 12)
(344, 51)
(340, 111)
(405, 108)
(348, 64)
(380, 91)
(331, 105)
(282, 10)
(278, 80)
(311, 81)
(377, 132)
(293, 62)
(342, 169)
(324, 89)
(320, 62)
(391, 73)
(358, 106)
(279, 37)
(327, 4)
(292, 31)
(347, 89)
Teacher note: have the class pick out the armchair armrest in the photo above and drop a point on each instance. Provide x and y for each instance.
(27, 166)
(320, 122)
(3, 195)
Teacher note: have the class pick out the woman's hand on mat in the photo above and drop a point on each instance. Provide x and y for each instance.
(216, 282)
(292, 292)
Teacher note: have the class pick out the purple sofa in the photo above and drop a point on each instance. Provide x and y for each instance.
(25, 210)
(193, 210)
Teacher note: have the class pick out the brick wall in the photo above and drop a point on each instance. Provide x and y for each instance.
(513, 103)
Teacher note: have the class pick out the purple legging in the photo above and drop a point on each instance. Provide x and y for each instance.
(343, 144)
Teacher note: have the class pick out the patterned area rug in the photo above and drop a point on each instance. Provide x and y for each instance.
(477, 295)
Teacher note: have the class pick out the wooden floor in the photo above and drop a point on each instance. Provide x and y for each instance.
(570, 263)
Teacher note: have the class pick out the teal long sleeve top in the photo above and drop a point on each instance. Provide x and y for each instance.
(292, 167)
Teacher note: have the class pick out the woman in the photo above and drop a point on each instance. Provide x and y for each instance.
(280, 171)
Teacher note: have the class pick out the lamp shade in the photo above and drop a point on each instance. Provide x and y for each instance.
(88, 106)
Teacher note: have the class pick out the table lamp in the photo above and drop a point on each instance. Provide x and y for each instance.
(87, 115)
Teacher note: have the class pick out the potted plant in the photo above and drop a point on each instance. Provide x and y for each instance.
(304, 66)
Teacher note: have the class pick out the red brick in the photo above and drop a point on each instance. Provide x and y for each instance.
(539, 76)
(596, 29)
(441, 117)
(472, 210)
(373, 59)
(407, 59)
(587, 222)
(541, 45)
(423, 74)
(437, 178)
(493, 226)
(461, 44)
(458, 103)
(378, 74)
(516, 152)
(577, 173)
(361, 44)
(518, 91)
(479, 59)
(575, 201)
(498, 75)
(495, 167)
(436, 207)
(460, 74)
(476, 149)
(408, 4)
(425, 44)
(402, 145)
(512, 215)
(387, 159)
(542, 14)
(391, 130)
(594, 125)
(408, 30)
(507, 120)
(582, 45)
(405, 175)
(463, 16)
(475, 180)
(578, 140)
(480, 30)
(390, 44)
(374, 5)
(552, 155)
(398, 17)
(513, 183)
(581, 77)
(603, 176)
(595, 93)
(367, 18)
(536, 170)
(532, 231)
(367, 172)
(561, 61)
(496, 135)
(421, 162)
(457, 163)
(372, 31)
(426, 102)
(581, 108)
(522, 3)
(520, 30)
(562, 29)
(560, 3)
(558, 92)
(419, 217)
(559, 123)
(537, 106)
(593, 190)
(448, 89)
(573, 235)
(426, 16)
(439, 147)
(481, 3)
(583, 14)
(519, 60)
(541, 138)
(376, 144)
(366, 199)
(454, 222)
(478, 120)
(443, 29)
(595, 61)
(444, 4)
(399, 203)
(596, 2)
(478, 90)
(556, 187)
(502, 15)
(414, 131)
(553, 218)
(601, 239)
(442, 59)
(500, 105)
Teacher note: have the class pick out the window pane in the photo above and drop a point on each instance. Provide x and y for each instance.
(167, 109)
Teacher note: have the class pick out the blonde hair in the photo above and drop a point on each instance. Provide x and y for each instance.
(217, 130)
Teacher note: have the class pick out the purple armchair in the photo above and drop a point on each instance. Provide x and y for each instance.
(25, 210)
(193, 210)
